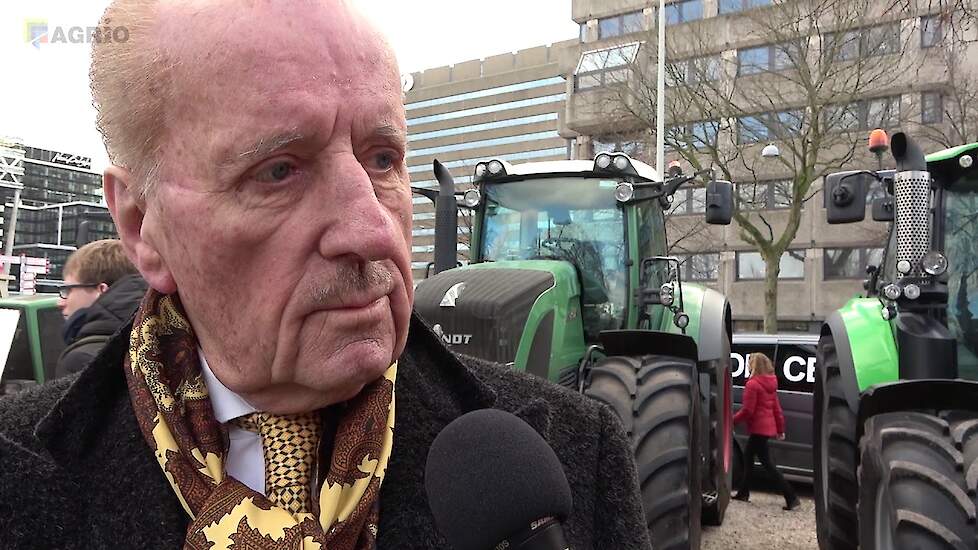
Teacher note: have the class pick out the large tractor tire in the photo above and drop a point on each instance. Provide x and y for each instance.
(918, 474)
(657, 399)
(717, 487)
(835, 450)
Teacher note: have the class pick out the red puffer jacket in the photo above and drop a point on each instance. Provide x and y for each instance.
(761, 410)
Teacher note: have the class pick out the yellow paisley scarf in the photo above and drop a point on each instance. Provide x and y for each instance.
(175, 415)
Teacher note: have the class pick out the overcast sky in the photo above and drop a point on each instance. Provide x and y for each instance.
(44, 96)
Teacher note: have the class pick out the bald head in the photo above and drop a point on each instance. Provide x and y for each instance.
(181, 50)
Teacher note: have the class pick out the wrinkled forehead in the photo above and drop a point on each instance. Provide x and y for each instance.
(267, 45)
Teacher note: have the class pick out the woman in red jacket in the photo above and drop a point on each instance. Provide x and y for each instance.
(761, 411)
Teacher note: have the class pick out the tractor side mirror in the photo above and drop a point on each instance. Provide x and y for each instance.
(883, 209)
(719, 202)
(845, 196)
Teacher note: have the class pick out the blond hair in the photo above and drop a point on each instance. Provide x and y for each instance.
(97, 262)
(131, 86)
(760, 364)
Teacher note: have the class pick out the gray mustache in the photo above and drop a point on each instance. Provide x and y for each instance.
(351, 282)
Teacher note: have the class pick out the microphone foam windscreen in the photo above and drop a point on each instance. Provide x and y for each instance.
(488, 476)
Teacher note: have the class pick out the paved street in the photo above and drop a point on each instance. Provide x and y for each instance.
(761, 524)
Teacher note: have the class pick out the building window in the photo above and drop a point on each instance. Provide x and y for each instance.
(931, 31)
(683, 11)
(931, 107)
(605, 66)
(583, 34)
(765, 195)
(866, 114)
(850, 263)
(630, 145)
(696, 135)
(618, 25)
(750, 265)
(732, 6)
(691, 200)
(772, 57)
(691, 71)
(699, 267)
(866, 42)
(769, 126)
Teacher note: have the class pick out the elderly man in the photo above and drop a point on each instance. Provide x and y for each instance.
(259, 185)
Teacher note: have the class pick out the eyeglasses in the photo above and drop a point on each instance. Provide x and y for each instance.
(65, 290)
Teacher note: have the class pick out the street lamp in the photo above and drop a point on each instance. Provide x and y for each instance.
(770, 151)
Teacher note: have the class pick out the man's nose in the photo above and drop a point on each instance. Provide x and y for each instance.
(364, 226)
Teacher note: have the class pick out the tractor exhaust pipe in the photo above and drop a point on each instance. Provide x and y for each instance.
(911, 189)
(446, 220)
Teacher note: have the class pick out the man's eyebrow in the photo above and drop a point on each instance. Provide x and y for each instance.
(393, 133)
(262, 147)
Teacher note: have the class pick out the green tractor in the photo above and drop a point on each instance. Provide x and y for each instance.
(569, 281)
(896, 397)
(30, 340)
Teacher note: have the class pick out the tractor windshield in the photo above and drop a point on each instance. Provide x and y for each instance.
(576, 220)
(961, 234)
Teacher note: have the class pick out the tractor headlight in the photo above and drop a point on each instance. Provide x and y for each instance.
(666, 296)
(624, 192)
(934, 263)
(892, 291)
(471, 198)
(911, 291)
(621, 162)
(681, 320)
(480, 170)
(903, 267)
(602, 161)
(495, 167)
(966, 161)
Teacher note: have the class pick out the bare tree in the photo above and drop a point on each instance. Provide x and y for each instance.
(821, 70)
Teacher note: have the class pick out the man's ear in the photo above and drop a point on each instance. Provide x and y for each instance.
(129, 210)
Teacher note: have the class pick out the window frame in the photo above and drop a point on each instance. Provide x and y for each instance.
(862, 259)
(772, 130)
(745, 5)
(619, 21)
(936, 37)
(862, 35)
(602, 73)
(939, 107)
(861, 110)
(680, 8)
(781, 277)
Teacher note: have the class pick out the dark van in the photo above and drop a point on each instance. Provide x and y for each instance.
(793, 356)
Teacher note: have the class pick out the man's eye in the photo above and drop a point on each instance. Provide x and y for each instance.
(275, 172)
(384, 161)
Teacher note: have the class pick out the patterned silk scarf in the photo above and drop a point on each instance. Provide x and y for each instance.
(175, 415)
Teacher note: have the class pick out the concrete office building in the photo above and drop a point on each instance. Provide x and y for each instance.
(57, 191)
(506, 106)
(825, 264)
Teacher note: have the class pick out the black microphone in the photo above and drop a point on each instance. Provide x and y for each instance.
(493, 483)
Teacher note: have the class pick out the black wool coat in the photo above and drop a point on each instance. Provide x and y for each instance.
(75, 471)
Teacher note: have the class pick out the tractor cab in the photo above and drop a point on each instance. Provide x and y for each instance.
(592, 236)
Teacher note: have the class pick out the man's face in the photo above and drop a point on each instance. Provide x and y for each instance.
(79, 297)
(284, 210)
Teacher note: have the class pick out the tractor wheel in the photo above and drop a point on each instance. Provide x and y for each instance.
(718, 486)
(657, 399)
(918, 474)
(835, 452)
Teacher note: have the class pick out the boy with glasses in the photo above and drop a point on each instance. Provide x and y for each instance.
(102, 290)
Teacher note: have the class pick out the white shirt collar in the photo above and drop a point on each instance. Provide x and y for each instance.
(227, 404)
